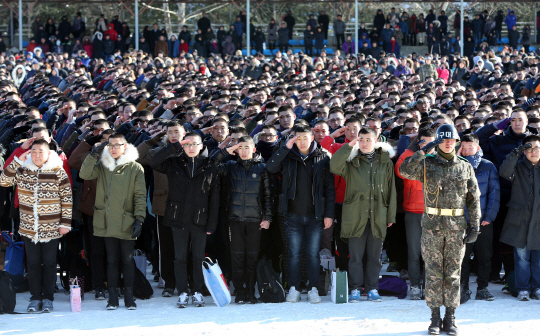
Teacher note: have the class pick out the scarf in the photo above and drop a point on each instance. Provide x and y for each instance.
(369, 155)
(475, 159)
(447, 156)
(393, 45)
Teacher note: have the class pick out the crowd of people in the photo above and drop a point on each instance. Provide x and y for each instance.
(237, 157)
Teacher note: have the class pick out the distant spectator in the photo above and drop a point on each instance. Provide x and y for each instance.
(324, 21)
(291, 22)
(511, 20)
(339, 30)
(203, 23)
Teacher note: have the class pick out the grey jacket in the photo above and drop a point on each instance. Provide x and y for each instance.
(272, 32)
(339, 27)
(522, 224)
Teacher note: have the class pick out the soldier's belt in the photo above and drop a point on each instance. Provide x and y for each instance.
(445, 212)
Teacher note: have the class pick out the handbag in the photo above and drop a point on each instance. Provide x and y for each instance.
(215, 282)
(75, 296)
(339, 287)
(140, 261)
(14, 262)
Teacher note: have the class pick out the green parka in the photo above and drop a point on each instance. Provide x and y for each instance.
(370, 193)
(120, 194)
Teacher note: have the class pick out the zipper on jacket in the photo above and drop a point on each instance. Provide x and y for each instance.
(198, 214)
(313, 184)
(193, 169)
(175, 207)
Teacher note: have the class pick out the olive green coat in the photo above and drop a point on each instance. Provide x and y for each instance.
(370, 193)
(120, 194)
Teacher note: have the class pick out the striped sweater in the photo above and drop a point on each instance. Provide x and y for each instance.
(45, 199)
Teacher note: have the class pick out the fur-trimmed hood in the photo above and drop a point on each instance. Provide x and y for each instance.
(379, 147)
(130, 155)
(53, 162)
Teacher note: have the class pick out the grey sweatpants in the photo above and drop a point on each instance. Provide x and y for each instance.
(372, 248)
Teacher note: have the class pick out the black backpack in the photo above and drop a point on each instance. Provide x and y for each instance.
(7, 294)
(270, 289)
(141, 287)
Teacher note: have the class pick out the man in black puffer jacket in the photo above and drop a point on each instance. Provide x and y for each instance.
(249, 208)
(191, 209)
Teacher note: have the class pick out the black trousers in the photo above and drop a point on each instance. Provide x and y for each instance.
(166, 254)
(340, 38)
(245, 247)
(283, 47)
(184, 240)
(342, 248)
(120, 251)
(41, 267)
(95, 252)
(396, 242)
(503, 254)
(309, 49)
(483, 250)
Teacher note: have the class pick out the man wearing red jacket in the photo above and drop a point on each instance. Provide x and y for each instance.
(38, 133)
(350, 130)
(413, 204)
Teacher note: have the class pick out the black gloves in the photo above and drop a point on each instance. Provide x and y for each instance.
(388, 123)
(471, 236)
(427, 148)
(21, 129)
(99, 149)
(136, 229)
(92, 140)
(258, 117)
(522, 148)
(156, 138)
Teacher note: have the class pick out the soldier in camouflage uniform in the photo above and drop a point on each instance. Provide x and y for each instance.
(449, 185)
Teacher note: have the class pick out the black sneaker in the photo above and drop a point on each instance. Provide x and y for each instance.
(100, 294)
(240, 298)
(465, 294)
(167, 292)
(484, 294)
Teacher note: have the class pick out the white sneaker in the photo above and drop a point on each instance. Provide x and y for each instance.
(523, 296)
(293, 296)
(536, 294)
(183, 300)
(415, 293)
(313, 295)
(197, 299)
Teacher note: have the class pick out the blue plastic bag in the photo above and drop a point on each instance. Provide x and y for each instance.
(14, 262)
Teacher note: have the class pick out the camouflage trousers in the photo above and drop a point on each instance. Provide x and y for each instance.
(443, 253)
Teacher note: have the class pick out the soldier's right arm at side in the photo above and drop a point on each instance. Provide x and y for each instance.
(507, 168)
(412, 167)
(472, 201)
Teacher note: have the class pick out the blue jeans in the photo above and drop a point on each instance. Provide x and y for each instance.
(498, 34)
(308, 231)
(527, 269)
(477, 37)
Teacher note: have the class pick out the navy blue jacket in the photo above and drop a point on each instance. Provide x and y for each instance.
(488, 183)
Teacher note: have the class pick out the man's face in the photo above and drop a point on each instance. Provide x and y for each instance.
(351, 130)
(39, 154)
(175, 134)
(192, 115)
(533, 154)
(519, 122)
(220, 131)
(410, 128)
(335, 120)
(32, 115)
(193, 147)
(98, 129)
(303, 142)
(462, 125)
(286, 119)
(374, 125)
(245, 150)
(116, 147)
(448, 145)
(126, 113)
(469, 148)
(42, 135)
(367, 143)
(208, 115)
(320, 132)
(423, 104)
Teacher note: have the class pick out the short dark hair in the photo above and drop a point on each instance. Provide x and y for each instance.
(239, 130)
(531, 138)
(247, 138)
(470, 138)
(301, 128)
(175, 123)
(38, 129)
(368, 130)
(193, 134)
(41, 142)
(118, 136)
(426, 132)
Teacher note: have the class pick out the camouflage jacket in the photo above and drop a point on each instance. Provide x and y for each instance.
(428, 70)
(447, 185)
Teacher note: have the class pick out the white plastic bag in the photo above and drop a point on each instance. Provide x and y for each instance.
(215, 282)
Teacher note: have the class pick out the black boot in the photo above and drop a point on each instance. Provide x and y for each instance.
(113, 299)
(449, 322)
(436, 322)
(129, 301)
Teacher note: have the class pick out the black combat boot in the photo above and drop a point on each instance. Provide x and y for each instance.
(449, 322)
(436, 322)
(129, 301)
(113, 299)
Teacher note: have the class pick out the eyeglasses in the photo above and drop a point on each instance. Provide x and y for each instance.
(267, 136)
(422, 101)
(206, 118)
(116, 146)
(533, 150)
(189, 145)
(408, 129)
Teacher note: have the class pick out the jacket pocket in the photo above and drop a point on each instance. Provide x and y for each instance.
(352, 198)
(172, 211)
(99, 220)
(201, 216)
(127, 221)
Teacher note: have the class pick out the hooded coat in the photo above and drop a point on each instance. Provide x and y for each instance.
(174, 46)
(371, 191)
(44, 196)
(120, 193)
(18, 79)
(97, 45)
(510, 20)
(112, 33)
